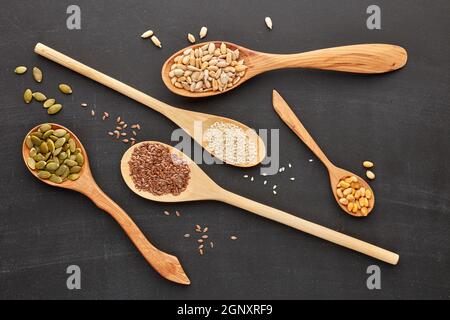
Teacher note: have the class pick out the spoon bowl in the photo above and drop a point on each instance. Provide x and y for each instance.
(361, 58)
(165, 264)
(202, 187)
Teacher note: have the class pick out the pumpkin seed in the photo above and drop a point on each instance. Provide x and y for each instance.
(43, 147)
(39, 96)
(37, 74)
(60, 133)
(72, 145)
(70, 162)
(40, 165)
(60, 171)
(48, 103)
(73, 176)
(147, 34)
(50, 145)
(75, 169)
(20, 70)
(31, 163)
(36, 141)
(47, 135)
(52, 166)
(44, 174)
(64, 88)
(54, 109)
(28, 142)
(33, 152)
(79, 159)
(62, 156)
(60, 142)
(39, 157)
(45, 127)
(54, 178)
(27, 96)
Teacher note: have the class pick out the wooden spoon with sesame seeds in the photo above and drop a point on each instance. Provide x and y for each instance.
(165, 264)
(194, 123)
(202, 187)
(369, 58)
(344, 184)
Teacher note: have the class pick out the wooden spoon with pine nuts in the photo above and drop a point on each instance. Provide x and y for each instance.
(351, 192)
(361, 58)
(202, 187)
(165, 264)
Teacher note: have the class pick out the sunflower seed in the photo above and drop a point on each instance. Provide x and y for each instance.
(268, 21)
(203, 32)
(147, 34)
(156, 41)
(191, 38)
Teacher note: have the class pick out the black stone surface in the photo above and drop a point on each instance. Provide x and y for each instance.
(398, 120)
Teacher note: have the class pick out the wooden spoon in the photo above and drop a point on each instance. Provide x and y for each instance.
(165, 264)
(360, 58)
(202, 187)
(194, 123)
(336, 173)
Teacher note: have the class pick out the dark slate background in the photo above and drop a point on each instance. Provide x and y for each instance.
(399, 120)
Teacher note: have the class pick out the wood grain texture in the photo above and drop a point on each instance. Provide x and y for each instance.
(166, 265)
(187, 120)
(373, 58)
(336, 174)
(202, 187)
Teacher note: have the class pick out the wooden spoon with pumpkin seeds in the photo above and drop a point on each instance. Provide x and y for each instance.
(165, 264)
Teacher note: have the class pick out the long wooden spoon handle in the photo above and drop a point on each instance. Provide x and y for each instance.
(165, 264)
(310, 227)
(102, 78)
(288, 116)
(360, 58)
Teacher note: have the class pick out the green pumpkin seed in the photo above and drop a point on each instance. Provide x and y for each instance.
(60, 142)
(65, 174)
(47, 134)
(67, 136)
(62, 168)
(54, 138)
(54, 109)
(37, 134)
(44, 174)
(77, 150)
(73, 157)
(39, 157)
(60, 133)
(62, 156)
(47, 155)
(73, 176)
(37, 74)
(66, 147)
(27, 96)
(50, 145)
(79, 159)
(48, 103)
(52, 166)
(44, 147)
(75, 169)
(31, 163)
(33, 152)
(39, 96)
(20, 70)
(28, 142)
(54, 178)
(70, 163)
(72, 145)
(45, 127)
(36, 141)
(64, 88)
(40, 165)
(57, 151)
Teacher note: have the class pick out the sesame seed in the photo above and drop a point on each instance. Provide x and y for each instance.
(311, 160)
(292, 179)
(167, 213)
(84, 105)
(274, 192)
(274, 187)
(187, 235)
(245, 176)
(265, 182)
(177, 213)
(233, 238)
(251, 179)
(92, 113)
(211, 244)
(289, 165)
